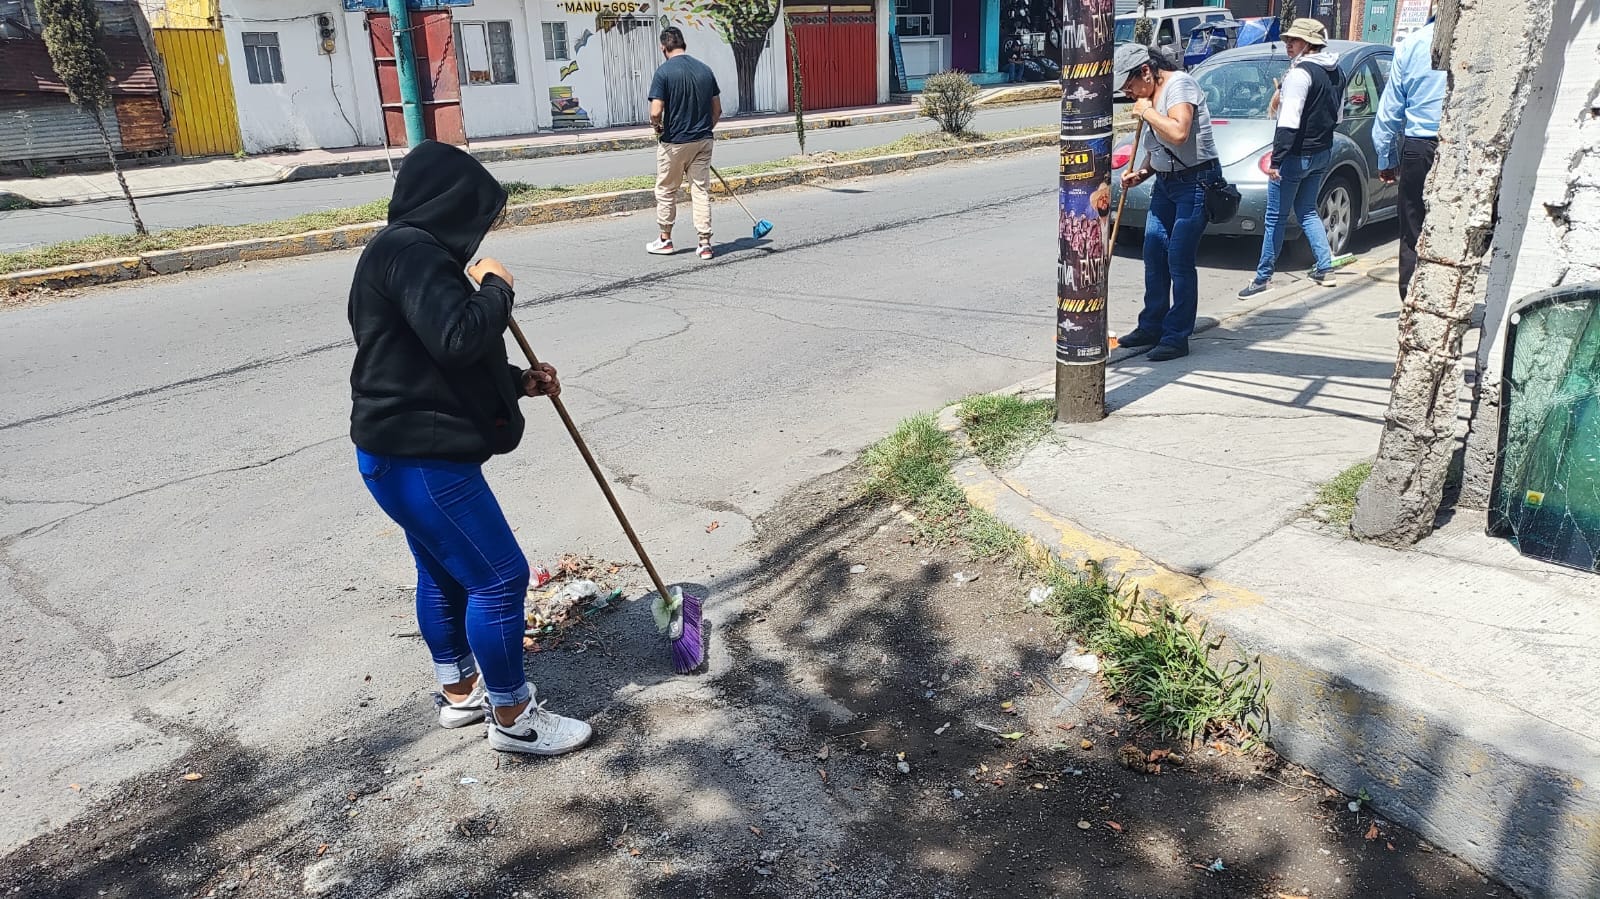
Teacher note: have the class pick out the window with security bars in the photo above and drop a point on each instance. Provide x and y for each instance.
(485, 53)
(262, 58)
(555, 41)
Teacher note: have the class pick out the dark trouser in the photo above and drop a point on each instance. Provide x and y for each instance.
(1416, 159)
(1172, 232)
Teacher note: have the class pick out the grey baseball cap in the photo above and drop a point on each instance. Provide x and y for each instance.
(1128, 60)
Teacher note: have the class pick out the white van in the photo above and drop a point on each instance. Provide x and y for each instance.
(1172, 26)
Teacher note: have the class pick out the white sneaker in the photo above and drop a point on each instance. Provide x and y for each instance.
(468, 711)
(660, 248)
(539, 732)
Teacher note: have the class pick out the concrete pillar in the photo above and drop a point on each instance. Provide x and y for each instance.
(885, 61)
(990, 59)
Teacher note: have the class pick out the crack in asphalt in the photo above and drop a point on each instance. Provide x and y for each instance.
(618, 285)
(46, 527)
(892, 333)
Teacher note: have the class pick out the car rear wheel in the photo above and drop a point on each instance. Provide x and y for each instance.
(1337, 209)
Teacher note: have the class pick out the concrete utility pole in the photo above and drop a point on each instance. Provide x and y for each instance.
(1491, 55)
(1085, 255)
(405, 63)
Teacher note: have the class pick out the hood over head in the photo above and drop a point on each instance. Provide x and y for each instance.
(444, 191)
(1325, 58)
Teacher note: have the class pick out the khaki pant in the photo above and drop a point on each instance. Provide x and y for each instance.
(673, 162)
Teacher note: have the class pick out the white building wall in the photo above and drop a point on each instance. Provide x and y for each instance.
(886, 85)
(1548, 233)
(332, 101)
(319, 103)
(584, 72)
(497, 110)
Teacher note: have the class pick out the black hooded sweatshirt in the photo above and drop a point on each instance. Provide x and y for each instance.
(431, 378)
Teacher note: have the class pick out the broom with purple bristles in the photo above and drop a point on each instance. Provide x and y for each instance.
(677, 613)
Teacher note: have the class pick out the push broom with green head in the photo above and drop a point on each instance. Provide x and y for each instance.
(677, 613)
(762, 226)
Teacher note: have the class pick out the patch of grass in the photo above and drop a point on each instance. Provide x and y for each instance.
(1001, 428)
(1154, 659)
(522, 192)
(111, 246)
(991, 538)
(1337, 498)
(911, 463)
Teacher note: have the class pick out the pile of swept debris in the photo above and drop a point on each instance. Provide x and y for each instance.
(560, 601)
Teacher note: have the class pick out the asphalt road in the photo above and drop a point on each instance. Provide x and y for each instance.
(244, 205)
(186, 547)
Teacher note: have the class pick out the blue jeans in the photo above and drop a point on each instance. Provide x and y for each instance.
(1014, 72)
(472, 579)
(1299, 181)
(1172, 234)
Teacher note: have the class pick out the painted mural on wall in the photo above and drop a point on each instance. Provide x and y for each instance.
(744, 24)
(566, 111)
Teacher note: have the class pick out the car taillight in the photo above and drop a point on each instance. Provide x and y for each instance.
(1120, 156)
(1266, 162)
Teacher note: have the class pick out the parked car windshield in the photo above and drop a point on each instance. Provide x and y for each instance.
(1242, 89)
(1125, 30)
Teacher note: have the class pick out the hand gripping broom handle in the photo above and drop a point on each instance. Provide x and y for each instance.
(1122, 200)
(734, 195)
(594, 469)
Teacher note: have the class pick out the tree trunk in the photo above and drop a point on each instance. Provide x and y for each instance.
(111, 154)
(797, 83)
(1491, 55)
(746, 54)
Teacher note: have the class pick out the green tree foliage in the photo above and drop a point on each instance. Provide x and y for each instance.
(744, 24)
(72, 37)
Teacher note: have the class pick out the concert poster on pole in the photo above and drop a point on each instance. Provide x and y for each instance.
(1085, 199)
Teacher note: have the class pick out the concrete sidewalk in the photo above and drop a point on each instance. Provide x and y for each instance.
(1455, 682)
(215, 174)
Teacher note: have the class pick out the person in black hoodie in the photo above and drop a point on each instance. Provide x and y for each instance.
(1308, 106)
(433, 398)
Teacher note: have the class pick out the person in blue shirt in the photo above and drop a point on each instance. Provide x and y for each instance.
(1406, 136)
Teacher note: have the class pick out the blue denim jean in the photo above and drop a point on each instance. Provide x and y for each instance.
(472, 578)
(1299, 181)
(1172, 232)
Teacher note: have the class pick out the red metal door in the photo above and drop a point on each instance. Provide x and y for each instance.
(435, 49)
(837, 47)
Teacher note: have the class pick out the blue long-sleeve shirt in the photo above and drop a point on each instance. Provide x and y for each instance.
(1413, 101)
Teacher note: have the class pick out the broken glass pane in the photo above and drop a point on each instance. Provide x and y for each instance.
(1547, 479)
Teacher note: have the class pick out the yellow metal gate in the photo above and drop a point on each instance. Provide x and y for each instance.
(204, 116)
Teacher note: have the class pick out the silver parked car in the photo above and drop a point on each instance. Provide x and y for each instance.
(1239, 84)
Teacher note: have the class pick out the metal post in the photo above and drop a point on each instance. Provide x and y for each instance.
(405, 61)
(1085, 203)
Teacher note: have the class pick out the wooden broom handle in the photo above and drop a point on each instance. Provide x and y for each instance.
(594, 468)
(1122, 198)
